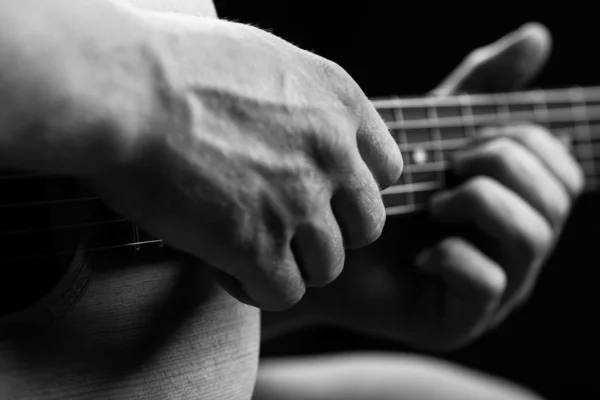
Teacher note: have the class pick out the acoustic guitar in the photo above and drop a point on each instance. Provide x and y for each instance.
(92, 307)
(114, 304)
(46, 217)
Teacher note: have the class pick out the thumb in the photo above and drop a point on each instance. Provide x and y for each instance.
(502, 66)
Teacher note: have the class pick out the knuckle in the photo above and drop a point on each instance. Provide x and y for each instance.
(447, 247)
(331, 143)
(342, 84)
(374, 211)
(536, 240)
(560, 207)
(502, 152)
(393, 168)
(308, 196)
(479, 190)
(578, 180)
(328, 274)
(289, 299)
(534, 133)
(495, 287)
(491, 283)
(377, 229)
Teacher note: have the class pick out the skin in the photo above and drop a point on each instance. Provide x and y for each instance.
(379, 376)
(516, 186)
(145, 162)
(518, 180)
(253, 157)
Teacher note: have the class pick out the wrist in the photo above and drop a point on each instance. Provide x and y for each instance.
(79, 96)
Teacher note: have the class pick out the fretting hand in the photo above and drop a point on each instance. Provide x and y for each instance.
(516, 187)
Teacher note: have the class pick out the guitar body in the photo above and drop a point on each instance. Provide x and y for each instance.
(92, 308)
(145, 330)
(83, 318)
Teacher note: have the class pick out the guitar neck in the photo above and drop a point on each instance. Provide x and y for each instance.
(49, 210)
(430, 130)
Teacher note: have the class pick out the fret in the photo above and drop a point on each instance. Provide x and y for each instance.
(388, 114)
(503, 110)
(467, 116)
(585, 152)
(422, 197)
(471, 122)
(583, 129)
(406, 178)
(588, 167)
(540, 108)
(418, 113)
(54, 212)
(398, 114)
(439, 154)
(417, 135)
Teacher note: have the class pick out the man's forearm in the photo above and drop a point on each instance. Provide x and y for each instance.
(74, 84)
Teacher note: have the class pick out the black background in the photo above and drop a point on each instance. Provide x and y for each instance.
(400, 48)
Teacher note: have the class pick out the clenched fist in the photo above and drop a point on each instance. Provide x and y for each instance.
(264, 160)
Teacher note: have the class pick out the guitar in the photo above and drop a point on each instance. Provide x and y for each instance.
(47, 217)
(52, 223)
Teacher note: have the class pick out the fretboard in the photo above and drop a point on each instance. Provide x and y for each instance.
(430, 130)
(53, 211)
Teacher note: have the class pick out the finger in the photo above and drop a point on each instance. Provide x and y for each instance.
(520, 170)
(504, 65)
(550, 151)
(473, 288)
(358, 207)
(520, 236)
(318, 249)
(266, 270)
(234, 288)
(378, 148)
(281, 287)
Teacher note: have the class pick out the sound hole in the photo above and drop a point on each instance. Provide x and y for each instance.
(35, 252)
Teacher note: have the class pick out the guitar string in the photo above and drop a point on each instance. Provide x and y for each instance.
(572, 94)
(545, 97)
(427, 124)
(580, 150)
